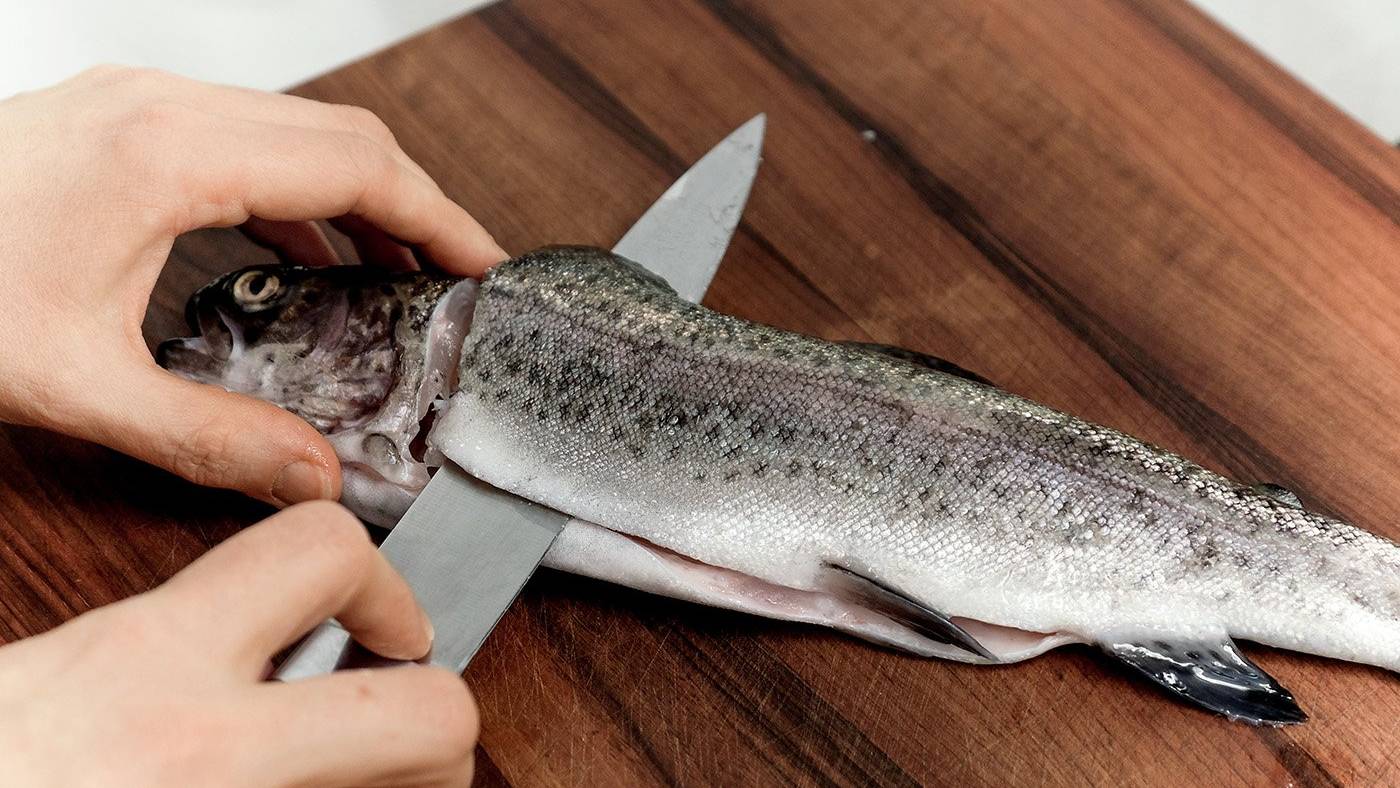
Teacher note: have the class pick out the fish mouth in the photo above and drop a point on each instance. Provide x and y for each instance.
(203, 355)
(193, 358)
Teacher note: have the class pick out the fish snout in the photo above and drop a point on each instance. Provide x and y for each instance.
(189, 357)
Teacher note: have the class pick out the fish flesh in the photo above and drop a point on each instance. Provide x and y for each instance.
(878, 491)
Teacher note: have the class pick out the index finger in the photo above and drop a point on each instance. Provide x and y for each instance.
(281, 172)
(271, 583)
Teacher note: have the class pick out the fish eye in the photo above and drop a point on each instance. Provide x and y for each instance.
(255, 288)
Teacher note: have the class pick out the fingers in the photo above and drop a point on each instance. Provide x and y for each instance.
(208, 435)
(292, 173)
(298, 243)
(374, 246)
(230, 168)
(390, 726)
(273, 582)
(247, 153)
(279, 108)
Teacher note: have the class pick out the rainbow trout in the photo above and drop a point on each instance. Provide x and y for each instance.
(877, 491)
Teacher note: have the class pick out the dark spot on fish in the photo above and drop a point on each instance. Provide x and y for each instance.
(1208, 552)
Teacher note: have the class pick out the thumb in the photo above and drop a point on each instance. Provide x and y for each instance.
(215, 438)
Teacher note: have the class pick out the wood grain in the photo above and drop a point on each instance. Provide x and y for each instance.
(1113, 207)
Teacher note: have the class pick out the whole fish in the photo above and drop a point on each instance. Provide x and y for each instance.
(875, 490)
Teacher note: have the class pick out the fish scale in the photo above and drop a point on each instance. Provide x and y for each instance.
(779, 456)
(875, 490)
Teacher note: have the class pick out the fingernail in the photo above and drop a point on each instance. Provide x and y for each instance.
(300, 481)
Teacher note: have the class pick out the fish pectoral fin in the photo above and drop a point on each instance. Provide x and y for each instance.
(1278, 493)
(1212, 674)
(920, 359)
(901, 608)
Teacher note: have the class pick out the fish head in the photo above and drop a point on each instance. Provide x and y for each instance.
(316, 342)
(358, 353)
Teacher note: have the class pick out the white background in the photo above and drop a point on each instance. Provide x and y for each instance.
(271, 44)
(1348, 50)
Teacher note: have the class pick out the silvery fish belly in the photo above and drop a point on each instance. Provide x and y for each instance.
(888, 494)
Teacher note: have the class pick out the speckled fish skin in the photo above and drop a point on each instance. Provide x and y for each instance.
(588, 385)
(847, 485)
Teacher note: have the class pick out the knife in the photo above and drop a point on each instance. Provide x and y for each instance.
(467, 548)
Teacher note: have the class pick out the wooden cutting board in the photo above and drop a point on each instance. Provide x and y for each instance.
(1112, 207)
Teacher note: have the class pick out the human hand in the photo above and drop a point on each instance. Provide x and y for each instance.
(99, 174)
(165, 688)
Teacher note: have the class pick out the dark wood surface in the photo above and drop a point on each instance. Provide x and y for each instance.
(1113, 207)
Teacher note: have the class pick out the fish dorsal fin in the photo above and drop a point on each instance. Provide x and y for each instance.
(1281, 494)
(1214, 674)
(920, 359)
(898, 607)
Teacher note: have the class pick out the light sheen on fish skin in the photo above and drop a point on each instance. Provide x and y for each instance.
(589, 387)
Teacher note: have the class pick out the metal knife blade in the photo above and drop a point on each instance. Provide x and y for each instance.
(467, 548)
(683, 235)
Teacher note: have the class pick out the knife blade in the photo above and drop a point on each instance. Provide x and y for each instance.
(467, 548)
(683, 235)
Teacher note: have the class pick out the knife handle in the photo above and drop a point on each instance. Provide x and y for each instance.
(329, 648)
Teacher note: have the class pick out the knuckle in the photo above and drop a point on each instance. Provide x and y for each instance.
(140, 137)
(203, 455)
(330, 530)
(368, 123)
(379, 172)
(386, 174)
(117, 73)
(103, 73)
(154, 119)
(139, 74)
(128, 84)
